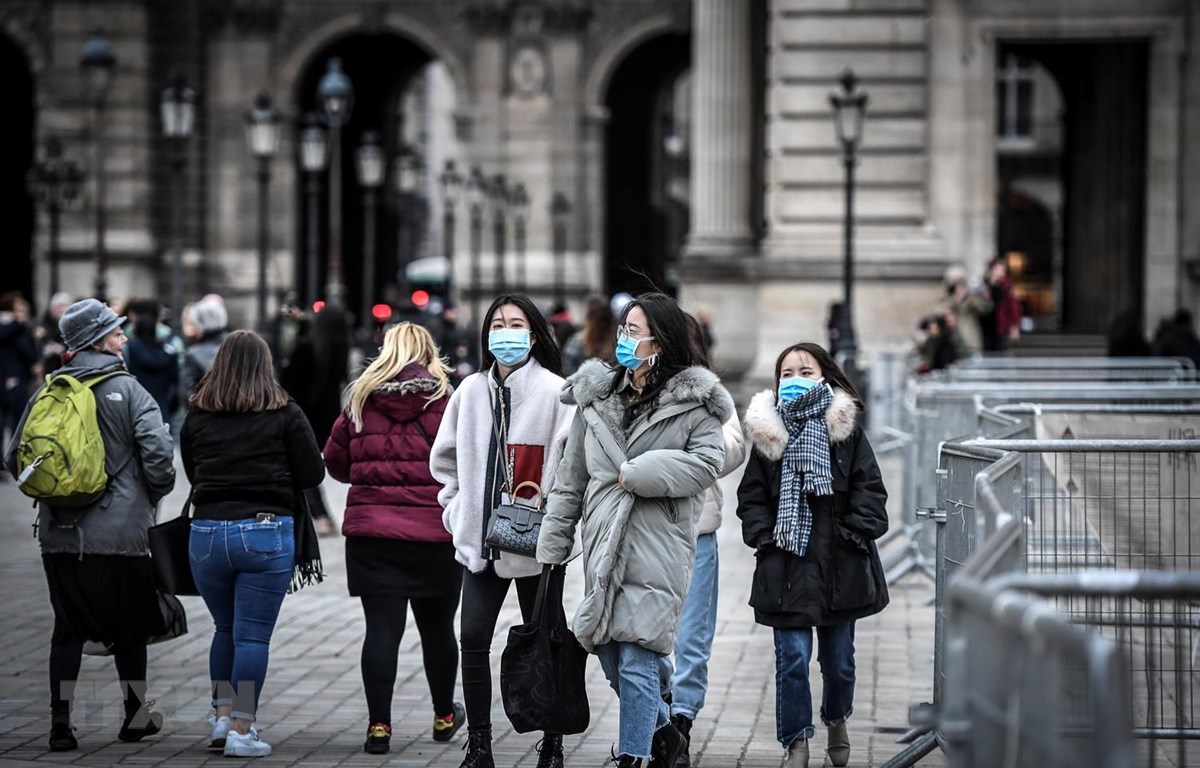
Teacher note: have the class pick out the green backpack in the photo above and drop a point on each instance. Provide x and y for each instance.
(60, 456)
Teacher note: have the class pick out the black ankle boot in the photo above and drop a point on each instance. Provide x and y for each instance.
(683, 724)
(140, 722)
(62, 739)
(550, 752)
(625, 761)
(669, 748)
(479, 750)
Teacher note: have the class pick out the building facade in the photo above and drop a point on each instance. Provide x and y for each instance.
(684, 145)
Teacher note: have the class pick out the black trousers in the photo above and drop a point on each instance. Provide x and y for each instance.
(386, 617)
(66, 655)
(482, 597)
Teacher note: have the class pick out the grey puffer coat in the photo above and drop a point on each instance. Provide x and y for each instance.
(138, 455)
(639, 541)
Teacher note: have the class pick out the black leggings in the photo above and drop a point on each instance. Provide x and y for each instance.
(482, 597)
(386, 617)
(66, 655)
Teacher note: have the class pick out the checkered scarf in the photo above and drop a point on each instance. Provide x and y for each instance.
(806, 467)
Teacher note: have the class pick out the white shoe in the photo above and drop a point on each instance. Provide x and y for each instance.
(220, 729)
(245, 745)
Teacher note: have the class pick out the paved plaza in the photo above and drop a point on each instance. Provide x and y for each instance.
(314, 714)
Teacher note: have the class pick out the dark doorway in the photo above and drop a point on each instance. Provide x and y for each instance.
(380, 67)
(16, 136)
(1102, 171)
(646, 166)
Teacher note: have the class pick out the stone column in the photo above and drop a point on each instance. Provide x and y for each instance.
(715, 270)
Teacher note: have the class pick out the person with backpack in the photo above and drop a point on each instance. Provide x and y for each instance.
(397, 550)
(93, 536)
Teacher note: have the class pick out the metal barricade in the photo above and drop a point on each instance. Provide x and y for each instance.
(1002, 363)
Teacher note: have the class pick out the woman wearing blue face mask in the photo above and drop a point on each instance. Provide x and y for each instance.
(812, 505)
(503, 426)
(644, 449)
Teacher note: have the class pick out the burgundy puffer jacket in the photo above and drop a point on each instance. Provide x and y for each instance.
(392, 494)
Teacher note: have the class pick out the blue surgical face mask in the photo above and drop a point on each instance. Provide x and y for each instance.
(627, 351)
(795, 386)
(509, 345)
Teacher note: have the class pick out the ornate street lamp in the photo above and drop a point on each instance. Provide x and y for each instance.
(498, 194)
(54, 182)
(99, 65)
(410, 172)
(262, 136)
(177, 108)
(849, 108)
(314, 154)
(335, 100)
(560, 210)
(519, 200)
(451, 183)
(476, 198)
(371, 167)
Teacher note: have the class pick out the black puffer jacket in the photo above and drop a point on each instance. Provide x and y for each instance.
(840, 577)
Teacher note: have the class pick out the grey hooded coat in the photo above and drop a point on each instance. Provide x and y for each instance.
(138, 454)
(639, 541)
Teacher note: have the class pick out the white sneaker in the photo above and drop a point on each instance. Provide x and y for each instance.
(220, 729)
(245, 745)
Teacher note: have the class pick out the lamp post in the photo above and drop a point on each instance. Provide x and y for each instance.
(560, 209)
(54, 183)
(314, 154)
(262, 136)
(335, 99)
(849, 107)
(98, 64)
(369, 163)
(476, 195)
(178, 112)
(499, 197)
(451, 183)
(410, 169)
(519, 199)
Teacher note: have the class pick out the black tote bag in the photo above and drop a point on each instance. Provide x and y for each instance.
(543, 667)
(169, 553)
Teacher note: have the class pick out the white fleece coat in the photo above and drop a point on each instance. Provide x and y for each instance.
(459, 458)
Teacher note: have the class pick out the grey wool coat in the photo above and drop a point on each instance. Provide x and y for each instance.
(639, 541)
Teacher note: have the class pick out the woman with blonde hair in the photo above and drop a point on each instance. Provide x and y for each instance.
(397, 551)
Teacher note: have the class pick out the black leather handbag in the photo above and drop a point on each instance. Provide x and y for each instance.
(543, 667)
(169, 553)
(514, 527)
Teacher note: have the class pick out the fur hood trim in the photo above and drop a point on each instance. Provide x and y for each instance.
(764, 426)
(593, 382)
(408, 386)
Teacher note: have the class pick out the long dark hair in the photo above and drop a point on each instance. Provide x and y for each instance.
(241, 379)
(829, 368)
(599, 329)
(668, 324)
(545, 348)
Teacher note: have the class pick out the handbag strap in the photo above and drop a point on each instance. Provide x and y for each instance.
(501, 441)
(550, 589)
(187, 504)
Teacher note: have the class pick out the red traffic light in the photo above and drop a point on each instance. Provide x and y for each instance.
(420, 298)
(318, 305)
(381, 312)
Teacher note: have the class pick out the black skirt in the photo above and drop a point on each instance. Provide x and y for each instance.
(398, 568)
(104, 598)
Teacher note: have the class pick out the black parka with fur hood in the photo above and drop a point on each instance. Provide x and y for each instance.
(840, 577)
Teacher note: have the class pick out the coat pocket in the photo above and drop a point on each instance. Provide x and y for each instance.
(853, 580)
(770, 580)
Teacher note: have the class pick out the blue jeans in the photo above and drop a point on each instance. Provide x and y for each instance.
(793, 697)
(632, 671)
(242, 569)
(688, 681)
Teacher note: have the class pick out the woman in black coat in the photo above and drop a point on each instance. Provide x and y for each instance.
(812, 504)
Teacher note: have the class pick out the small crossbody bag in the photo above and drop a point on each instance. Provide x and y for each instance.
(514, 525)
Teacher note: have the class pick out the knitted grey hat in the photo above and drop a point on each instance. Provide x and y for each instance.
(86, 322)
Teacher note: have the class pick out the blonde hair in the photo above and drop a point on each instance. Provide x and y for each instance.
(403, 344)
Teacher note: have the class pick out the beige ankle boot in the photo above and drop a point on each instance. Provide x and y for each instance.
(797, 755)
(839, 745)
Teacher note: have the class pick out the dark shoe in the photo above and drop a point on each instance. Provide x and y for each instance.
(62, 739)
(379, 739)
(444, 728)
(479, 750)
(625, 761)
(683, 724)
(550, 753)
(148, 724)
(669, 748)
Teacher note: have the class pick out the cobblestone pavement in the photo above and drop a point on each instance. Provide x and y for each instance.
(314, 714)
